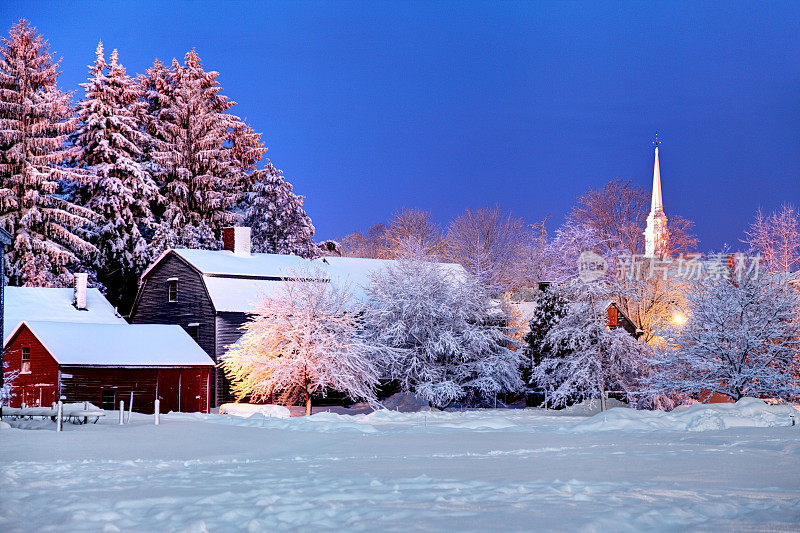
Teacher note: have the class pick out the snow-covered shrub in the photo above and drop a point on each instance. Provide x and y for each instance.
(438, 334)
(741, 339)
(7, 390)
(301, 341)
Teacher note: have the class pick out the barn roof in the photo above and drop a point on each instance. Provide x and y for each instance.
(82, 343)
(54, 305)
(235, 282)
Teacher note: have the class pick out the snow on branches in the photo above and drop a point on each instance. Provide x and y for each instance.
(50, 233)
(439, 335)
(741, 339)
(109, 143)
(275, 214)
(584, 357)
(302, 340)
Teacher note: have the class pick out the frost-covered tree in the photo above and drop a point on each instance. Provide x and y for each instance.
(776, 238)
(276, 215)
(50, 233)
(7, 390)
(109, 143)
(301, 341)
(741, 339)
(205, 155)
(370, 244)
(415, 228)
(587, 359)
(491, 245)
(438, 334)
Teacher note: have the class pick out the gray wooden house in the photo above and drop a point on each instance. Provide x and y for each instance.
(210, 293)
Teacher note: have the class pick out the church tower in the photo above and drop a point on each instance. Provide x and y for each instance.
(656, 235)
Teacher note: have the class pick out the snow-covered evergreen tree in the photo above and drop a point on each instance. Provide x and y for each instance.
(276, 215)
(301, 341)
(439, 334)
(50, 233)
(205, 154)
(551, 306)
(109, 143)
(741, 339)
(587, 358)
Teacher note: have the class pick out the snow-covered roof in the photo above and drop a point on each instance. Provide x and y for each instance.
(227, 263)
(54, 305)
(235, 282)
(237, 294)
(82, 343)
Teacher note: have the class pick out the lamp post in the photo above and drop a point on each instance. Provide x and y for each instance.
(5, 240)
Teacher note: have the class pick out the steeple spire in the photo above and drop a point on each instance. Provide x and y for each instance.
(655, 235)
(656, 203)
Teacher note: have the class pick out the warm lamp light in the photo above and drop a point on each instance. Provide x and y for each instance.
(679, 319)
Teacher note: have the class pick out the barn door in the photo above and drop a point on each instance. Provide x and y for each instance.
(169, 389)
(192, 390)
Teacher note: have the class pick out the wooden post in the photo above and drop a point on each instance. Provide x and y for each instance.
(121, 412)
(157, 413)
(85, 408)
(59, 413)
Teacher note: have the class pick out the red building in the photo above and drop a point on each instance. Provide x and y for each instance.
(105, 363)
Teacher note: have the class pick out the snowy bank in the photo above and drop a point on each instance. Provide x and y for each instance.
(747, 412)
(247, 410)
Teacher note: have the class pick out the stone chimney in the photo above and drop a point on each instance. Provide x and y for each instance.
(237, 240)
(81, 281)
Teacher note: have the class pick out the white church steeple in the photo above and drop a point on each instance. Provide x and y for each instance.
(656, 235)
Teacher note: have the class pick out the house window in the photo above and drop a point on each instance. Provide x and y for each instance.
(173, 290)
(194, 331)
(26, 360)
(107, 400)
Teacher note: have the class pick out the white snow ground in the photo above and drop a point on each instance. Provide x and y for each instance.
(710, 468)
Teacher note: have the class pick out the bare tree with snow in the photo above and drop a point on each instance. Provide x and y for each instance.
(491, 245)
(50, 233)
(439, 334)
(302, 340)
(741, 339)
(412, 228)
(776, 238)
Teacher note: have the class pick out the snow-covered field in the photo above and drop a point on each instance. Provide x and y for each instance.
(704, 468)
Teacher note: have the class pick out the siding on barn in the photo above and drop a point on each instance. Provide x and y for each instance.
(80, 384)
(228, 332)
(152, 306)
(39, 388)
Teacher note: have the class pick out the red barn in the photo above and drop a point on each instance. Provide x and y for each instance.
(105, 363)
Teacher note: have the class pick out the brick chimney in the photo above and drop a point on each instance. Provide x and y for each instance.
(236, 240)
(79, 300)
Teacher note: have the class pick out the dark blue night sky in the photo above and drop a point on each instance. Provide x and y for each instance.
(371, 106)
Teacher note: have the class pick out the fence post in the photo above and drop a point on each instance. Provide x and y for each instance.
(121, 412)
(85, 408)
(130, 409)
(157, 413)
(59, 413)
